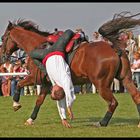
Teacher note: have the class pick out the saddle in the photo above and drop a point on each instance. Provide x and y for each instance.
(69, 41)
(51, 39)
(73, 42)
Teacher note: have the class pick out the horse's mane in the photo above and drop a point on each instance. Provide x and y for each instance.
(30, 25)
(118, 24)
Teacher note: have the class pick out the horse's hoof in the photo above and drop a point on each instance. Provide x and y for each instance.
(97, 124)
(27, 123)
(17, 107)
(139, 125)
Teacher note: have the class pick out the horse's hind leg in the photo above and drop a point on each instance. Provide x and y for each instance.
(107, 95)
(130, 86)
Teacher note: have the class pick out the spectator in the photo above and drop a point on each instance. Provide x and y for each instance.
(136, 65)
(86, 88)
(94, 89)
(28, 90)
(1, 86)
(14, 57)
(5, 91)
(57, 32)
(77, 89)
(21, 54)
(116, 85)
(15, 79)
(83, 89)
(38, 89)
(97, 37)
(138, 41)
(131, 46)
(6, 80)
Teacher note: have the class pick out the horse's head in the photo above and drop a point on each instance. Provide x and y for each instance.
(21, 34)
(8, 44)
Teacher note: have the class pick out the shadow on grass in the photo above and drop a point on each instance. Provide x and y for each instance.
(84, 121)
(117, 121)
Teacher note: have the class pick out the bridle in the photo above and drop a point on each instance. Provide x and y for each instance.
(5, 44)
(5, 56)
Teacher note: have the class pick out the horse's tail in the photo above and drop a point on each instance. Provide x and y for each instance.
(112, 29)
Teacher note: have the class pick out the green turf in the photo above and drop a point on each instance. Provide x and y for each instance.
(87, 109)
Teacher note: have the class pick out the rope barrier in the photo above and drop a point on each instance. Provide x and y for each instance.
(14, 74)
(137, 70)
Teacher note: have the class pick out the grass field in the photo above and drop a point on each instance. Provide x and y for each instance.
(87, 109)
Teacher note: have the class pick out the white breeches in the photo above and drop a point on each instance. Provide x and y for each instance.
(59, 73)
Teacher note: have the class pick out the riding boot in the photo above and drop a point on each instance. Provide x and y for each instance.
(38, 53)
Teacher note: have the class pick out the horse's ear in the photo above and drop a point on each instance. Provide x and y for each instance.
(10, 25)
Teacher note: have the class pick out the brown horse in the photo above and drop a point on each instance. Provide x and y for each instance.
(97, 63)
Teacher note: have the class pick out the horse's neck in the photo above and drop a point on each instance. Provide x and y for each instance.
(27, 40)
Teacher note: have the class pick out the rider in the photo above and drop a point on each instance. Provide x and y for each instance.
(59, 72)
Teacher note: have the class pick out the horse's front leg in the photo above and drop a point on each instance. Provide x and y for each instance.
(135, 94)
(24, 82)
(39, 102)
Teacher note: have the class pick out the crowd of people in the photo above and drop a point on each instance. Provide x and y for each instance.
(17, 63)
(133, 52)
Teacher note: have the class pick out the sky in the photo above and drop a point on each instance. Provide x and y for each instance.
(88, 16)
